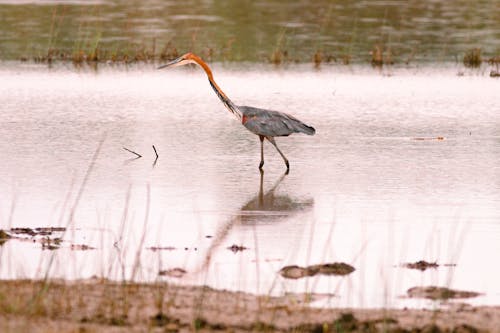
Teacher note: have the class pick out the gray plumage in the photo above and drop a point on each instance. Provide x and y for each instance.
(272, 123)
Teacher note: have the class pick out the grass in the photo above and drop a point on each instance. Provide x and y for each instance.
(472, 58)
(127, 306)
(90, 51)
(381, 56)
(132, 306)
(105, 306)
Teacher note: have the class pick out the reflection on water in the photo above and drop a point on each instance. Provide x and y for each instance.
(264, 208)
(269, 207)
(253, 30)
(361, 191)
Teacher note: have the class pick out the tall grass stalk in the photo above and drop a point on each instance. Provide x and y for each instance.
(137, 262)
(118, 245)
(45, 282)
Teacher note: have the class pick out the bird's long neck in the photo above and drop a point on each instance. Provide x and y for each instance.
(225, 100)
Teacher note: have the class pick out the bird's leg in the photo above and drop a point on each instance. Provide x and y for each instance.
(271, 139)
(261, 189)
(261, 137)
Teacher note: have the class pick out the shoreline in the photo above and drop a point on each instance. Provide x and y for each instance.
(104, 306)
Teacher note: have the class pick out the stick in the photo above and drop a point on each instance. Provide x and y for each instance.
(155, 151)
(133, 152)
(156, 159)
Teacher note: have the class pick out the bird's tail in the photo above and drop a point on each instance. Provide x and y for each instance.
(309, 130)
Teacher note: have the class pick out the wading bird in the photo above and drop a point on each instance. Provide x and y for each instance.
(265, 123)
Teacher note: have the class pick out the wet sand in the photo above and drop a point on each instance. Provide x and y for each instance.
(104, 306)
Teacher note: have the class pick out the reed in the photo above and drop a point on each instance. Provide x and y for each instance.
(472, 58)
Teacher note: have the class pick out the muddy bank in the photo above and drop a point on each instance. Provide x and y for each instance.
(103, 306)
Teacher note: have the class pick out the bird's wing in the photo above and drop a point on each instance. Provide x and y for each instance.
(272, 123)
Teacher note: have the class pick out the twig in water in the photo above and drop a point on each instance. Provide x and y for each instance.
(133, 152)
(156, 153)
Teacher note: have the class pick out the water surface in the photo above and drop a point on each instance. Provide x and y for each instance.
(365, 190)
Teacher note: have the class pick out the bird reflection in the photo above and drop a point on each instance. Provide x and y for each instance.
(264, 208)
(269, 207)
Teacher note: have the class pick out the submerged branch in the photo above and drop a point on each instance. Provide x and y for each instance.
(133, 152)
(156, 153)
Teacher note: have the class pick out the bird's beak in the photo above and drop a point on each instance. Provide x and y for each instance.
(173, 63)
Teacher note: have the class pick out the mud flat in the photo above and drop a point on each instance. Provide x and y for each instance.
(105, 306)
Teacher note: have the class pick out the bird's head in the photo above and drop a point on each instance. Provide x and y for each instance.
(188, 58)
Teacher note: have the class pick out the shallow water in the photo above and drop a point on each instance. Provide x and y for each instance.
(253, 30)
(363, 190)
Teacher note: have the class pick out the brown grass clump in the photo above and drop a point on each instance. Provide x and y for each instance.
(346, 59)
(317, 58)
(278, 57)
(139, 53)
(472, 58)
(320, 57)
(381, 57)
(494, 60)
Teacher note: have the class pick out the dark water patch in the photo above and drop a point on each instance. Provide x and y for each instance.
(440, 293)
(237, 248)
(23, 231)
(173, 272)
(161, 248)
(51, 243)
(421, 265)
(81, 247)
(42, 231)
(297, 272)
(51, 238)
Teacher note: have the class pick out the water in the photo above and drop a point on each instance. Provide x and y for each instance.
(253, 30)
(363, 190)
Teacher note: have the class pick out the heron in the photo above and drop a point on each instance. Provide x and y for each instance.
(267, 124)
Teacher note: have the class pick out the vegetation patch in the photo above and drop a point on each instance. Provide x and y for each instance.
(4, 237)
(421, 265)
(297, 272)
(472, 58)
(439, 293)
(173, 272)
(237, 248)
(104, 306)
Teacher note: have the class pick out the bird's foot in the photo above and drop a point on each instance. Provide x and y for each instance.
(261, 165)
